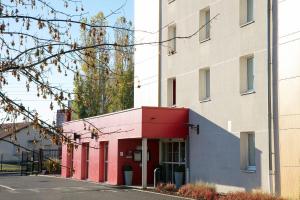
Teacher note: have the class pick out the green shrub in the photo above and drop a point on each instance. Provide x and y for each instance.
(179, 168)
(52, 166)
(127, 168)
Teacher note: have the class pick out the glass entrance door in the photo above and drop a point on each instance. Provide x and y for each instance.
(173, 155)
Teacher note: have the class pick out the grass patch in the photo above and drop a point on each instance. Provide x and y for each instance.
(10, 167)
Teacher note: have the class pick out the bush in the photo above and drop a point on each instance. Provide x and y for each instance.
(166, 187)
(52, 166)
(179, 168)
(198, 191)
(249, 196)
(127, 168)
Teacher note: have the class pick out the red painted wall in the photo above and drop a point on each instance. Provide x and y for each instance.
(123, 132)
(165, 122)
(131, 145)
(77, 162)
(66, 162)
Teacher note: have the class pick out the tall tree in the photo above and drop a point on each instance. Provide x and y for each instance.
(122, 89)
(106, 82)
(90, 84)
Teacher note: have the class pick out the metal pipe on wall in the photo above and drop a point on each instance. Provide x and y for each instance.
(275, 98)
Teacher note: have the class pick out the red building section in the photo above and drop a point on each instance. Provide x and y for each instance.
(102, 158)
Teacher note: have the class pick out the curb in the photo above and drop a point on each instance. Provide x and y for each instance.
(138, 189)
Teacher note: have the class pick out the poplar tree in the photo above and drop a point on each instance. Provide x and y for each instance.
(122, 89)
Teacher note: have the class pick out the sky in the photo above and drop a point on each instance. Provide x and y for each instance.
(17, 90)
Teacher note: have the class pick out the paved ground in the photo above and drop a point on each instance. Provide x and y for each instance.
(48, 188)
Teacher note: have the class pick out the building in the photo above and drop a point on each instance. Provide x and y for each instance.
(146, 56)
(24, 135)
(289, 91)
(221, 75)
(234, 67)
(102, 146)
(221, 62)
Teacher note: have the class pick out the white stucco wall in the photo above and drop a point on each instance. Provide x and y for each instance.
(146, 16)
(289, 95)
(9, 150)
(215, 152)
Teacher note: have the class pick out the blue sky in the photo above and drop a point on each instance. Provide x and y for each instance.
(17, 91)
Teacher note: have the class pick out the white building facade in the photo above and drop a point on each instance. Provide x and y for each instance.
(146, 60)
(219, 71)
(215, 57)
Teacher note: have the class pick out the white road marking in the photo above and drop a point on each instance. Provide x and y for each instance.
(6, 187)
(34, 190)
(68, 189)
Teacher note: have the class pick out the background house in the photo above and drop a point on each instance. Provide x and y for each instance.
(24, 135)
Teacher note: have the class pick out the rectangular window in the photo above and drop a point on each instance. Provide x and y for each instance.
(172, 39)
(250, 75)
(204, 24)
(251, 150)
(249, 10)
(247, 151)
(246, 11)
(247, 77)
(172, 92)
(204, 84)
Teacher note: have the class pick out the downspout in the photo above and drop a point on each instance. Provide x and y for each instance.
(275, 95)
(269, 10)
(159, 50)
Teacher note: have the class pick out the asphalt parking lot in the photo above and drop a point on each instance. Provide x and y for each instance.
(49, 188)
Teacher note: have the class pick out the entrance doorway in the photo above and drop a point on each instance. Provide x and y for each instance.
(105, 162)
(72, 160)
(173, 155)
(85, 160)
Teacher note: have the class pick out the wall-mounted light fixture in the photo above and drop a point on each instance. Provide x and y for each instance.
(76, 136)
(94, 135)
(195, 127)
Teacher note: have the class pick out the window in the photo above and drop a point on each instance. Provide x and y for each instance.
(247, 74)
(173, 155)
(172, 39)
(247, 151)
(172, 92)
(246, 11)
(204, 84)
(204, 24)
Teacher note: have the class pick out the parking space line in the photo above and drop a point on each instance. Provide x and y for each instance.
(6, 187)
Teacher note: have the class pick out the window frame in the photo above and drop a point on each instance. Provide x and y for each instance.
(204, 84)
(172, 92)
(248, 152)
(244, 75)
(172, 33)
(204, 19)
(246, 12)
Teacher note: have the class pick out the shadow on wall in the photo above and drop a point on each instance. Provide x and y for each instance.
(215, 157)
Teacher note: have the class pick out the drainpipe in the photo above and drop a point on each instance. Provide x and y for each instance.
(275, 95)
(269, 10)
(159, 50)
